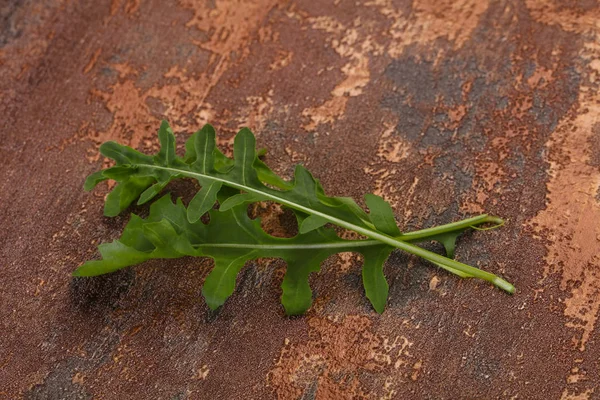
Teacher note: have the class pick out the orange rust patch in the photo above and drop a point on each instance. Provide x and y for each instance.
(346, 347)
(457, 114)
(231, 26)
(570, 19)
(131, 6)
(391, 147)
(124, 70)
(489, 175)
(282, 60)
(349, 44)
(202, 372)
(255, 114)
(430, 20)
(114, 7)
(571, 220)
(92, 61)
(540, 77)
(439, 19)
(232, 23)
(130, 114)
(585, 395)
(345, 261)
(328, 112)
(133, 119)
(78, 378)
(392, 150)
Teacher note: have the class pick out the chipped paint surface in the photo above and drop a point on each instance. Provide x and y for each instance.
(444, 108)
(340, 352)
(571, 219)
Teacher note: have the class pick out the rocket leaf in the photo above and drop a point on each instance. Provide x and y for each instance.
(249, 180)
(231, 239)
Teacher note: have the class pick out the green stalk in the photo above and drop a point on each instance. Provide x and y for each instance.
(424, 234)
(395, 242)
(416, 236)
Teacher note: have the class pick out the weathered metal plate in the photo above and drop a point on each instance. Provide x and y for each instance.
(446, 108)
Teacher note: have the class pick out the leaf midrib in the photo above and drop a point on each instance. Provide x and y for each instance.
(410, 248)
(307, 246)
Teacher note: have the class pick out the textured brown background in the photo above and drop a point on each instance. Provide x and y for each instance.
(446, 108)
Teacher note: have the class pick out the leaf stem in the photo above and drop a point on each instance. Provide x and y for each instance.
(424, 234)
(395, 242)
(346, 244)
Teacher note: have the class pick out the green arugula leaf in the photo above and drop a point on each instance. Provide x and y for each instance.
(376, 286)
(231, 239)
(250, 177)
(382, 215)
(448, 233)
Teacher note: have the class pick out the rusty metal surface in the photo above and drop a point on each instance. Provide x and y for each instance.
(446, 108)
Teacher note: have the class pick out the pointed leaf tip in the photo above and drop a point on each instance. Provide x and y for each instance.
(374, 282)
(93, 179)
(382, 215)
(311, 223)
(220, 283)
(203, 201)
(204, 149)
(166, 138)
(150, 193)
(296, 295)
